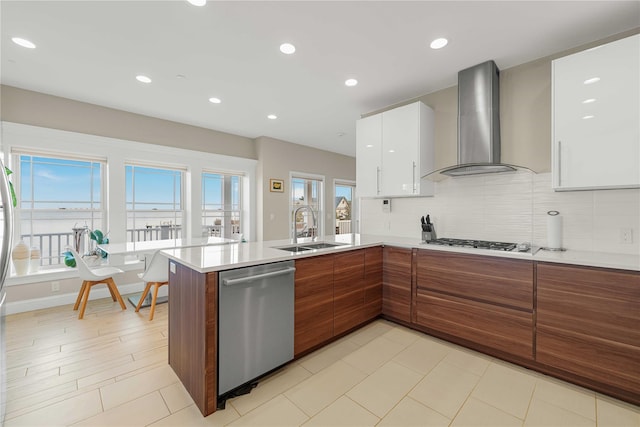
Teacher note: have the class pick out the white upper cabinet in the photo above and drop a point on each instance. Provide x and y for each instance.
(394, 149)
(368, 156)
(596, 117)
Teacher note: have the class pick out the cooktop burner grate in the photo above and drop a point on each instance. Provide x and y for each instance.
(480, 244)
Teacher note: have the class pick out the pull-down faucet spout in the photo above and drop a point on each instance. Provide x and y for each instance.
(295, 215)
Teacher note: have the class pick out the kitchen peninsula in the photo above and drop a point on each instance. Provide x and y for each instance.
(545, 311)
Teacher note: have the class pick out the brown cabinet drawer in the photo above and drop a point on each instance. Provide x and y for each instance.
(502, 281)
(596, 302)
(600, 360)
(588, 323)
(500, 328)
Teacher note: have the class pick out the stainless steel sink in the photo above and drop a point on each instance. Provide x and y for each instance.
(321, 245)
(294, 248)
(308, 246)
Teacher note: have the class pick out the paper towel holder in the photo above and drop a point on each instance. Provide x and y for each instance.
(561, 249)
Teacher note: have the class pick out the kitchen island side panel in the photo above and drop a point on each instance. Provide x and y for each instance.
(192, 333)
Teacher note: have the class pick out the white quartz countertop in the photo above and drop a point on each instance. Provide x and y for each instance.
(219, 257)
(131, 248)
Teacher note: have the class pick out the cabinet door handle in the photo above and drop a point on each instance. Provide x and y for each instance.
(378, 180)
(413, 176)
(559, 163)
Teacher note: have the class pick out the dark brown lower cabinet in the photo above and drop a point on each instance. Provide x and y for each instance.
(334, 294)
(348, 290)
(193, 334)
(480, 299)
(313, 302)
(396, 283)
(372, 283)
(588, 324)
(585, 327)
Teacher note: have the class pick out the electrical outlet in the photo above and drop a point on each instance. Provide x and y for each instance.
(55, 286)
(626, 235)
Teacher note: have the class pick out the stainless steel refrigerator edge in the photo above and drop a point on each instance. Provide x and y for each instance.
(6, 237)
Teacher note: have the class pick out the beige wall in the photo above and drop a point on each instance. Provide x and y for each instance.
(38, 109)
(525, 113)
(277, 159)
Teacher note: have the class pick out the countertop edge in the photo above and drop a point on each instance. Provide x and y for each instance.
(206, 259)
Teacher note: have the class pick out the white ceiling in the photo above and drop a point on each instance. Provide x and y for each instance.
(91, 51)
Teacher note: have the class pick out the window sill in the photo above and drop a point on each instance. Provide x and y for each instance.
(46, 275)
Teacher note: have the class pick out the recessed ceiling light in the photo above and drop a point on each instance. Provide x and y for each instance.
(369, 145)
(392, 151)
(589, 101)
(23, 42)
(272, 117)
(351, 82)
(143, 79)
(588, 117)
(592, 80)
(439, 43)
(215, 100)
(198, 2)
(287, 48)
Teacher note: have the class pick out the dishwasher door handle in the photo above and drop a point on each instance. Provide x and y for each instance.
(240, 280)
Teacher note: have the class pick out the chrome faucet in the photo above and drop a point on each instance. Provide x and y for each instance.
(295, 215)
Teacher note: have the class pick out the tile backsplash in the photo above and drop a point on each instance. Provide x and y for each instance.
(513, 208)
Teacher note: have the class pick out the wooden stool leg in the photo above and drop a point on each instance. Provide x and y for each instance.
(153, 301)
(87, 289)
(80, 294)
(143, 296)
(113, 296)
(113, 286)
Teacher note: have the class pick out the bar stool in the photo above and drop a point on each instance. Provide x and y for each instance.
(156, 274)
(95, 276)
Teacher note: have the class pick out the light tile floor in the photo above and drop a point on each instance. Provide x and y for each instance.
(110, 369)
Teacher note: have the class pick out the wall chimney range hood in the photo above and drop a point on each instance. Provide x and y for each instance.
(478, 124)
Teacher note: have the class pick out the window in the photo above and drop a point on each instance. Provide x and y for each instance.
(56, 195)
(221, 204)
(306, 191)
(154, 203)
(344, 207)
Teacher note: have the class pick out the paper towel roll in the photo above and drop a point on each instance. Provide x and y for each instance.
(554, 230)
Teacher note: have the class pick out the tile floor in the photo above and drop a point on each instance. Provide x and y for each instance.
(110, 369)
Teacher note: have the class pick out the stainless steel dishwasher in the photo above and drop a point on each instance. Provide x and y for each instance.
(255, 325)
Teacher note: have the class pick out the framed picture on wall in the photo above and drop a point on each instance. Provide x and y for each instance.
(276, 185)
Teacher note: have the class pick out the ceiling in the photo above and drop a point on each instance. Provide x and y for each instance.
(91, 51)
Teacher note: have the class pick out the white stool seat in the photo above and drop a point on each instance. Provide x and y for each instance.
(95, 276)
(156, 274)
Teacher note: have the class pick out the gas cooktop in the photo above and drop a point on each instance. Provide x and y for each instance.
(479, 244)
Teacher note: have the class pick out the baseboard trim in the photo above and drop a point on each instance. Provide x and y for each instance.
(69, 298)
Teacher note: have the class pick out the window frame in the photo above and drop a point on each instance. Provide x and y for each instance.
(173, 231)
(99, 218)
(226, 212)
(354, 202)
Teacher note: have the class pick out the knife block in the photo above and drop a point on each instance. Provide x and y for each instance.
(427, 236)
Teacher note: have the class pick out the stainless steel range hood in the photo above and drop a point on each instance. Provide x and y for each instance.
(478, 124)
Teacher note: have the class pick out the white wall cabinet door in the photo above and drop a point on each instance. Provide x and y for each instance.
(368, 156)
(407, 150)
(401, 155)
(596, 117)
